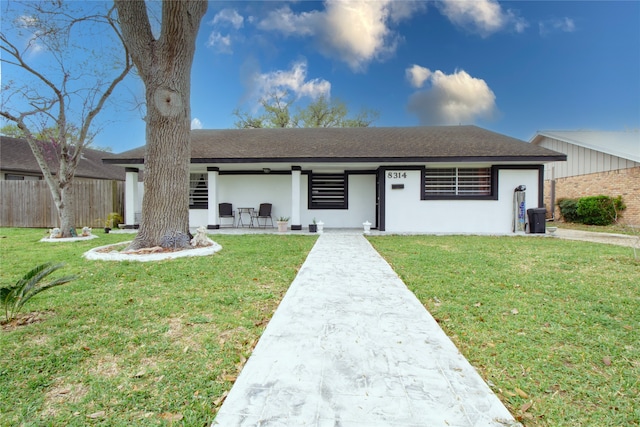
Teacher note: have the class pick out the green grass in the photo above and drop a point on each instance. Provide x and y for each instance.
(131, 343)
(552, 325)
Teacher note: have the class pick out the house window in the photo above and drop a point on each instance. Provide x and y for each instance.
(457, 183)
(198, 192)
(12, 177)
(328, 191)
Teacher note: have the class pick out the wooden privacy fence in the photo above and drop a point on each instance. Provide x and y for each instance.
(29, 203)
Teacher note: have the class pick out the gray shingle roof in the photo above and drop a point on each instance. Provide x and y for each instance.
(16, 156)
(388, 144)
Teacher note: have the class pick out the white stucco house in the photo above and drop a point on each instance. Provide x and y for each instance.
(443, 179)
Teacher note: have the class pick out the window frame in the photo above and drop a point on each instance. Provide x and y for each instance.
(491, 195)
(13, 177)
(198, 201)
(314, 204)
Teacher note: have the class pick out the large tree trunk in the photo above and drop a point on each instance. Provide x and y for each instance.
(165, 68)
(165, 206)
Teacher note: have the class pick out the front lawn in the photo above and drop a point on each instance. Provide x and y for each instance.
(552, 325)
(130, 343)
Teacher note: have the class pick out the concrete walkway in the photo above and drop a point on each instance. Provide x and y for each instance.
(351, 346)
(597, 237)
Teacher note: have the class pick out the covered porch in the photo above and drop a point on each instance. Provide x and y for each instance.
(341, 198)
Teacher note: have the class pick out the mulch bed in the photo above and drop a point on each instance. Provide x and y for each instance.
(143, 251)
(23, 319)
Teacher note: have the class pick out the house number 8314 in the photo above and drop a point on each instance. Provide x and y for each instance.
(396, 175)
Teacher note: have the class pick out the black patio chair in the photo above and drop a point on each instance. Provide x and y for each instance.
(264, 212)
(225, 210)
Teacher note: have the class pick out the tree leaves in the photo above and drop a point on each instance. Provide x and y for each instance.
(169, 416)
(96, 415)
(320, 113)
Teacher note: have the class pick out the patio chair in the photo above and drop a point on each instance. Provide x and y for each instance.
(225, 210)
(264, 212)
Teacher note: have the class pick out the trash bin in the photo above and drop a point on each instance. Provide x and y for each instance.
(537, 220)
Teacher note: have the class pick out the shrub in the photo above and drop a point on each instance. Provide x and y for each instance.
(113, 219)
(568, 209)
(599, 210)
(13, 297)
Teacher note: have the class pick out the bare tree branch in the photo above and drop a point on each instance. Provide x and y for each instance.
(35, 107)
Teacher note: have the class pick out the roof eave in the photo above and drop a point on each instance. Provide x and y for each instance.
(472, 159)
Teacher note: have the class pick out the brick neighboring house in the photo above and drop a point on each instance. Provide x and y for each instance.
(597, 163)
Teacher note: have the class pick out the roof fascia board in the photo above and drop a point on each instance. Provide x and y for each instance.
(474, 159)
(470, 159)
(602, 149)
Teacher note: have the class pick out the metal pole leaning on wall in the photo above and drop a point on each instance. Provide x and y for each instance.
(519, 209)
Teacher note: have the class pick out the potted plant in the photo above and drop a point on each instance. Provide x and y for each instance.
(113, 219)
(282, 223)
(313, 227)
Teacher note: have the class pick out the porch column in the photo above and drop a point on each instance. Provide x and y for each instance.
(212, 199)
(296, 222)
(130, 196)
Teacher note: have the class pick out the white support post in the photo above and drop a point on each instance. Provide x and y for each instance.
(131, 196)
(212, 210)
(296, 222)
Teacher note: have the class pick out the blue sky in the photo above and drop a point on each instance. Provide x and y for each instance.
(511, 67)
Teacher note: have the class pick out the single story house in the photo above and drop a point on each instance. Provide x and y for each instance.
(18, 163)
(597, 163)
(26, 198)
(441, 179)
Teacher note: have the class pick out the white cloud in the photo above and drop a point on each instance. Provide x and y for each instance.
(288, 23)
(226, 17)
(31, 23)
(219, 43)
(27, 21)
(565, 25)
(196, 123)
(294, 81)
(484, 17)
(230, 16)
(355, 32)
(451, 99)
(417, 75)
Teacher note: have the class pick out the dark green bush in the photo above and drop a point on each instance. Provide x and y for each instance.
(592, 210)
(568, 209)
(599, 210)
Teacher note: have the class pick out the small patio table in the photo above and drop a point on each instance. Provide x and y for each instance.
(246, 211)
